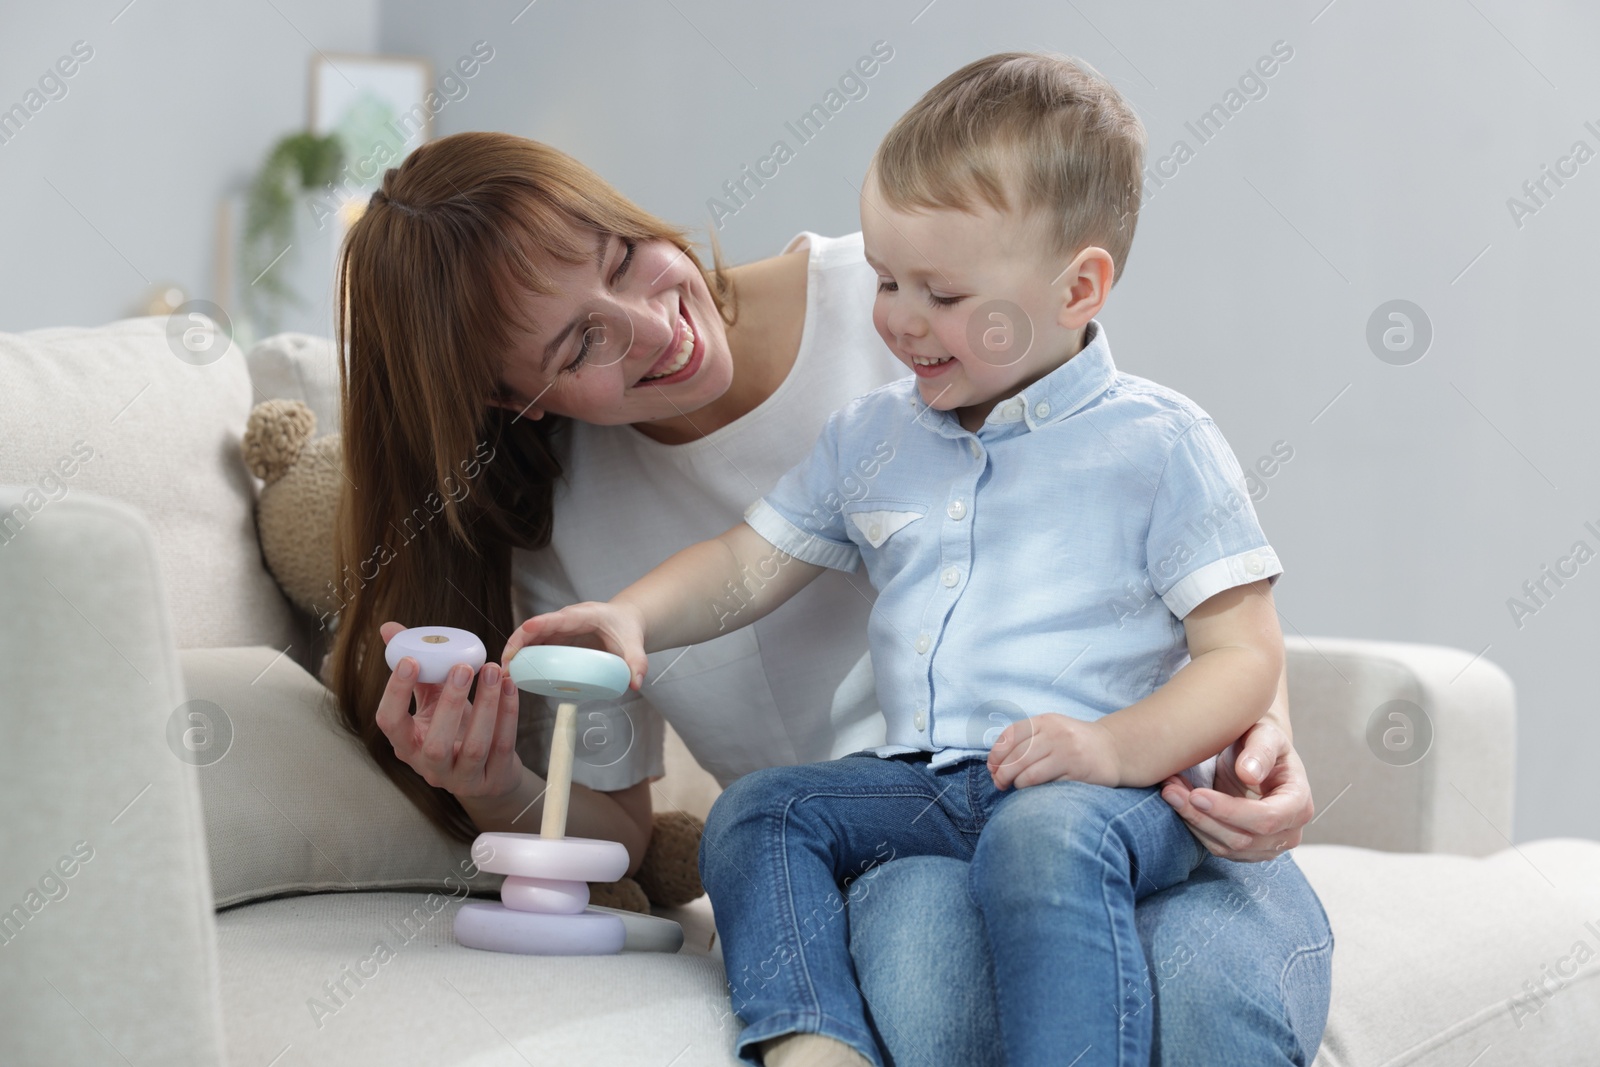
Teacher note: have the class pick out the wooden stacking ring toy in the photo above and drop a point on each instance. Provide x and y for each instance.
(544, 904)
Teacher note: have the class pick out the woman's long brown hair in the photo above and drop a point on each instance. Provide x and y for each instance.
(440, 485)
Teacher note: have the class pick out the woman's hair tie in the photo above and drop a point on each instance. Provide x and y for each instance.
(381, 197)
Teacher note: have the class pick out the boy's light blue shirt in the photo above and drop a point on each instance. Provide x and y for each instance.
(1042, 564)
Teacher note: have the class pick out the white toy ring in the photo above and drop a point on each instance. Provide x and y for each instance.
(436, 649)
(646, 933)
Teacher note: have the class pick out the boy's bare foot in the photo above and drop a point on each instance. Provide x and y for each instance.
(810, 1050)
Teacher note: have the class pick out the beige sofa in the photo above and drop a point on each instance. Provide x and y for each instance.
(198, 867)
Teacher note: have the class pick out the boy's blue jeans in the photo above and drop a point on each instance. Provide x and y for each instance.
(1054, 872)
(1240, 960)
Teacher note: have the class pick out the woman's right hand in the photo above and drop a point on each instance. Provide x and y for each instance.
(468, 749)
(618, 627)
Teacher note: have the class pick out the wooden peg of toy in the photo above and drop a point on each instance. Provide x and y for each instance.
(570, 674)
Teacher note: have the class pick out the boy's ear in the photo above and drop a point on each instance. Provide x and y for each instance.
(1083, 287)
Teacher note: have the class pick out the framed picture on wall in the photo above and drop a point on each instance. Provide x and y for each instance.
(377, 105)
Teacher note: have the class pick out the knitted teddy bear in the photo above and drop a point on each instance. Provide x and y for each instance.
(294, 521)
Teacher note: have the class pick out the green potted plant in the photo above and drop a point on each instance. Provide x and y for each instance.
(299, 163)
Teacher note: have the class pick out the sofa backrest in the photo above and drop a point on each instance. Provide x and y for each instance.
(127, 411)
(1344, 696)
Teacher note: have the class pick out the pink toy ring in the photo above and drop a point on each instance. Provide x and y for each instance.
(551, 896)
(573, 859)
(497, 928)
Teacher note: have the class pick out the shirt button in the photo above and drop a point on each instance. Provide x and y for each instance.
(921, 721)
(956, 510)
(972, 446)
(1041, 409)
(1254, 566)
(874, 532)
(950, 577)
(923, 642)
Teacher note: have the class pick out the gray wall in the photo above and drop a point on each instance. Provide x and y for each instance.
(1377, 166)
(114, 187)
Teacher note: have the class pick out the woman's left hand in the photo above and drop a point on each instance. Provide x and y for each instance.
(1261, 803)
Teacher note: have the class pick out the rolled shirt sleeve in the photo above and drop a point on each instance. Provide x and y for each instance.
(1204, 536)
(803, 515)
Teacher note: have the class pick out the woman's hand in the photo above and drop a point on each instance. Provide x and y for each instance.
(1262, 799)
(467, 749)
(619, 629)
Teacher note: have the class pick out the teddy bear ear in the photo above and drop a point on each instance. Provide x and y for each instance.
(275, 434)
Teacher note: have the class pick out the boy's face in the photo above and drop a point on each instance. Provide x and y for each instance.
(969, 301)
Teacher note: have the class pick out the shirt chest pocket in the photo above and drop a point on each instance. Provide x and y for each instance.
(887, 530)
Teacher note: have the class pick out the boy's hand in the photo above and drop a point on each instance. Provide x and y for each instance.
(619, 628)
(1051, 746)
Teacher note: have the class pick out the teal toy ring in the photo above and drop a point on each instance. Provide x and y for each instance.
(569, 673)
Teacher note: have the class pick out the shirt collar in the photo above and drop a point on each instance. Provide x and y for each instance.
(1055, 396)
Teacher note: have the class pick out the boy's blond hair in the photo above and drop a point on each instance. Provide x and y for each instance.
(1023, 131)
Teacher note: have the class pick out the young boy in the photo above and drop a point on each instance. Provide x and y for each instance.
(1073, 593)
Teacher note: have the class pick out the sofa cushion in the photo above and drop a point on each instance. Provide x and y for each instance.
(1442, 961)
(298, 366)
(353, 978)
(1429, 969)
(114, 411)
(295, 805)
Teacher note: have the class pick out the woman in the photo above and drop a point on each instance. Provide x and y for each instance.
(512, 318)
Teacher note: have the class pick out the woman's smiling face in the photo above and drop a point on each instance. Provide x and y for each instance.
(631, 336)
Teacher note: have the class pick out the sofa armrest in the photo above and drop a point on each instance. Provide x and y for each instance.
(1457, 798)
(107, 935)
(1434, 774)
